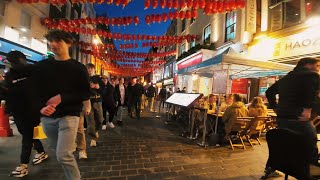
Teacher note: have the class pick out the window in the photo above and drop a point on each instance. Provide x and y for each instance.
(2, 8)
(231, 21)
(183, 26)
(25, 20)
(258, 25)
(68, 10)
(192, 20)
(182, 48)
(193, 44)
(284, 14)
(206, 34)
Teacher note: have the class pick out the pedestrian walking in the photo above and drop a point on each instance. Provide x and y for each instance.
(109, 103)
(62, 84)
(81, 137)
(95, 117)
(120, 91)
(151, 93)
(20, 102)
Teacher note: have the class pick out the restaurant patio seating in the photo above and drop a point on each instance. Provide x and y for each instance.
(289, 153)
(254, 129)
(236, 131)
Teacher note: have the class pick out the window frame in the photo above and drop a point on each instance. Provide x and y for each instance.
(233, 14)
(183, 24)
(184, 49)
(204, 33)
(23, 20)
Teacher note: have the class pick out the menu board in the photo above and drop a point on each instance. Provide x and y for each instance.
(182, 99)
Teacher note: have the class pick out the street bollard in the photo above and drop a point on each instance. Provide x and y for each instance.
(5, 130)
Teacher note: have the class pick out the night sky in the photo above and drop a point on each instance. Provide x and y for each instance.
(134, 8)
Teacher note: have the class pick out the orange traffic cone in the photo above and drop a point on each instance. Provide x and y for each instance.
(5, 130)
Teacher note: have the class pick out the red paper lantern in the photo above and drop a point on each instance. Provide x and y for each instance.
(163, 3)
(232, 4)
(109, 1)
(176, 14)
(147, 4)
(171, 15)
(117, 2)
(202, 4)
(164, 17)
(226, 5)
(183, 4)
(158, 18)
(190, 3)
(214, 5)
(181, 14)
(100, 19)
(136, 20)
(220, 6)
(125, 2)
(194, 13)
(155, 4)
(100, 32)
(169, 4)
(195, 4)
(242, 3)
(207, 10)
(153, 18)
(147, 19)
(175, 4)
(113, 21)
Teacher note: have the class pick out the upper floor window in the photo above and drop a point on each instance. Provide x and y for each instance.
(25, 20)
(183, 26)
(284, 14)
(206, 34)
(182, 48)
(231, 22)
(193, 44)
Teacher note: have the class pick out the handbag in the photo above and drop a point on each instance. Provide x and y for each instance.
(38, 133)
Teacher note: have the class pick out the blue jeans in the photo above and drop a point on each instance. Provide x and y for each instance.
(62, 133)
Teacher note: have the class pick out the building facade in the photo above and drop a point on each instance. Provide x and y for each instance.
(25, 32)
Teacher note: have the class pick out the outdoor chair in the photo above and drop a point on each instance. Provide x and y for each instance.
(236, 131)
(254, 129)
(290, 153)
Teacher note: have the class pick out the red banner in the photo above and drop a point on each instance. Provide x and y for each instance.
(239, 86)
(192, 61)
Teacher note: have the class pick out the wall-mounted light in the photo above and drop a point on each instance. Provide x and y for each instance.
(194, 77)
(23, 29)
(95, 41)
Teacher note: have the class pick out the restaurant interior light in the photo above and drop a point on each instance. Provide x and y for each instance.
(23, 29)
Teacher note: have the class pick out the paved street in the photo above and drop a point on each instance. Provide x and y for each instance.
(145, 149)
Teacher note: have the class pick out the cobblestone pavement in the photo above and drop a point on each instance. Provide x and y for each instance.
(145, 149)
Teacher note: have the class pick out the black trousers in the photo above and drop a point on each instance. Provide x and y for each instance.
(26, 130)
(137, 106)
(111, 108)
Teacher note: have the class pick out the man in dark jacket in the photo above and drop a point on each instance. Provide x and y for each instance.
(19, 102)
(297, 93)
(151, 93)
(137, 91)
(163, 96)
(120, 95)
(95, 117)
(109, 103)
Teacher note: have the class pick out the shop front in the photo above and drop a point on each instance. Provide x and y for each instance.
(6, 46)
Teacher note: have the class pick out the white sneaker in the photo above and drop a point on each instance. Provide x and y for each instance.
(20, 171)
(93, 143)
(111, 125)
(104, 127)
(97, 135)
(83, 154)
(39, 157)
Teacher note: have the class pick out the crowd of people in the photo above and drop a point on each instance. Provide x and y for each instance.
(66, 96)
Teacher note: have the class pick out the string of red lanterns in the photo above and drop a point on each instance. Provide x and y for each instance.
(128, 46)
(120, 21)
(188, 14)
(218, 5)
(62, 2)
(86, 45)
(114, 36)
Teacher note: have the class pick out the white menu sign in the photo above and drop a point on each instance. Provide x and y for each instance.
(182, 99)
